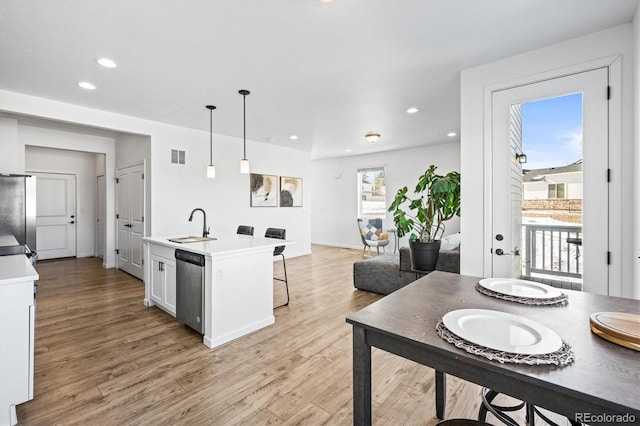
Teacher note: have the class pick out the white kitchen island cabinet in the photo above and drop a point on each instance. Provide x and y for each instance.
(163, 277)
(17, 330)
(238, 282)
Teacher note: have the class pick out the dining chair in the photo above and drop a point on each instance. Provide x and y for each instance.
(278, 251)
(245, 230)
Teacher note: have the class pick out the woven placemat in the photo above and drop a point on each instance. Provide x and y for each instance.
(563, 299)
(561, 357)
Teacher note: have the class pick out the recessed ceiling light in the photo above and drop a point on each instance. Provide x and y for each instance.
(293, 137)
(347, 150)
(107, 63)
(451, 134)
(87, 85)
(412, 110)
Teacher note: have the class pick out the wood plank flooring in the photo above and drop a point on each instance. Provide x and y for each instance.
(102, 357)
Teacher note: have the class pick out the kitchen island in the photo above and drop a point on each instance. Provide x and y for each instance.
(238, 282)
(17, 326)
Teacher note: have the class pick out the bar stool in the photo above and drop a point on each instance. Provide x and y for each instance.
(488, 406)
(280, 234)
(245, 230)
(462, 422)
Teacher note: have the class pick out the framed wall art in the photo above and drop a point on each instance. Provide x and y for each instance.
(264, 190)
(290, 191)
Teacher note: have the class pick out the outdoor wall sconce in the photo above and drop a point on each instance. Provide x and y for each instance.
(521, 158)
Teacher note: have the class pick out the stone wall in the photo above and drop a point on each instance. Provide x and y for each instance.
(574, 205)
(559, 209)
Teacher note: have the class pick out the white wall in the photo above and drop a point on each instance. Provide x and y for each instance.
(11, 153)
(81, 164)
(539, 190)
(571, 56)
(69, 141)
(176, 190)
(100, 164)
(636, 115)
(335, 189)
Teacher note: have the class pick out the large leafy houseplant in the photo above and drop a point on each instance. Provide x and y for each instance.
(437, 200)
(423, 217)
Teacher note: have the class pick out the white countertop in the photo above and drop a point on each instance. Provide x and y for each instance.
(16, 268)
(223, 244)
(8, 240)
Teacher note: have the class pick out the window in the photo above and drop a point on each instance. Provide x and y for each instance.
(556, 190)
(372, 186)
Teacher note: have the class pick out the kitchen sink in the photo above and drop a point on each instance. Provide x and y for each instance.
(192, 239)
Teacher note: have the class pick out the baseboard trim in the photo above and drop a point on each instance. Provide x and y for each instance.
(346, 246)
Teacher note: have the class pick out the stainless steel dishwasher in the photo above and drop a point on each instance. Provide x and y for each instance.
(190, 289)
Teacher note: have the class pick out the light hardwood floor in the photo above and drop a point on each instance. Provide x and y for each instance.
(102, 357)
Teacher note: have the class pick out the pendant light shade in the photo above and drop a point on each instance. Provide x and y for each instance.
(211, 169)
(244, 163)
(244, 166)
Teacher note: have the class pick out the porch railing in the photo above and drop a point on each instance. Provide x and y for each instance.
(546, 250)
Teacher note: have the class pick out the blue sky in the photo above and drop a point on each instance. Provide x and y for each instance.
(552, 131)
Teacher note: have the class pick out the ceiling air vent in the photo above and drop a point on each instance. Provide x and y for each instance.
(177, 157)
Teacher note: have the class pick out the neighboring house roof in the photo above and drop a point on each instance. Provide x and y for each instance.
(539, 174)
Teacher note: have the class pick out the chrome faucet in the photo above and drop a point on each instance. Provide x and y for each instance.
(205, 230)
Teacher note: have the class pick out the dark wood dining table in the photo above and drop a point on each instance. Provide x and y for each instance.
(603, 382)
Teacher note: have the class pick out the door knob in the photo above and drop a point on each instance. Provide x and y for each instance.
(72, 216)
(73, 221)
(501, 252)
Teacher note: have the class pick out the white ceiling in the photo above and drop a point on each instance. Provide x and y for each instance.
(327, 72)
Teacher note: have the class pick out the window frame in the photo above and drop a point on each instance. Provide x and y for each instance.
(360, 172)
(555, 191)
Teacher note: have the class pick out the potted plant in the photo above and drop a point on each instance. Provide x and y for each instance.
(437, 200)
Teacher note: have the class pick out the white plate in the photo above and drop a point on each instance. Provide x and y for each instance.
(520, 288)
(502, 331)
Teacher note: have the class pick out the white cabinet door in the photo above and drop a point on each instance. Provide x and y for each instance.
(16, 347)
(170, 285)
(157, 279)
(163, 282)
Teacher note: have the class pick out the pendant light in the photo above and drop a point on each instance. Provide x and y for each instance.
(211, 169)
(244, 163)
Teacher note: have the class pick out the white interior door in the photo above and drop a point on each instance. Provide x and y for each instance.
(507, 177)
(130, 218)
(100, 215)
(55, 215)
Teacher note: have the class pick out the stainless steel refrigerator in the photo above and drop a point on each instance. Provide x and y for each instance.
(17, 214)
